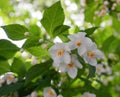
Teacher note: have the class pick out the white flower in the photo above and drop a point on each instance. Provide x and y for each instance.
(71, 67)
(91, 54)
(88, 94)
(60, 53)
(49, 92)
(79, 41)
(100, 69)
(9, 78)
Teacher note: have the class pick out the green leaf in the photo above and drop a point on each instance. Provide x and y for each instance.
(116, 24)
(15, 31)
(117, 50)
(107, 44)
(60, 29)
(91, 30)
(4, 67)
(92, 70)
(7, 49)
(38, 51)
(53, 17)
(37, 70)
(18, 67)
(34, 30)
(31, 42)
(10, 88)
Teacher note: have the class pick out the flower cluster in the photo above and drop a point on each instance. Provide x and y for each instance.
(8, 78)
(67, 61)
(50, 92)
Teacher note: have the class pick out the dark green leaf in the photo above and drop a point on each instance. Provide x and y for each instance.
(60, 29)
(37, 70)
(7, 49)
(15, 31)
(31, 42)
(18, 67)
(53, 17)
(4, 67)
(92, 70)
(90, 31)
(10, 88)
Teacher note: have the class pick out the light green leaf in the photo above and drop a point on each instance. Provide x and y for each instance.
(37, 51)
(110, 44)
(15, 31)
(7, 49)
(53, 17)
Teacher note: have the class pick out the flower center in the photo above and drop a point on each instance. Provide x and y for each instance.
(50, 92)
(60, 53)
(10, 78)
(98, 69)
(70, 65)
(78, 43)
(91, 54)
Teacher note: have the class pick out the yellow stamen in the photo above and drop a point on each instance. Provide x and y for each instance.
(51, 93)
(10, 77)
(98, 69)
(60, 53)
(91, 54)
(78, 43)
(70, 65)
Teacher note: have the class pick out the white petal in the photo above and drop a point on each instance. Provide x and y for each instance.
(87, 41)
(57, 61)
(99, 54)
(72, 45)
(92, 61)
(82, 50)
(72, 72)
(55, 64)
(67, 57)
(81, 34)
(62, 68)
(86, 59)
(67, 47)
(92, 95)
(59, 96)
(78, 64)
(72, 37)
